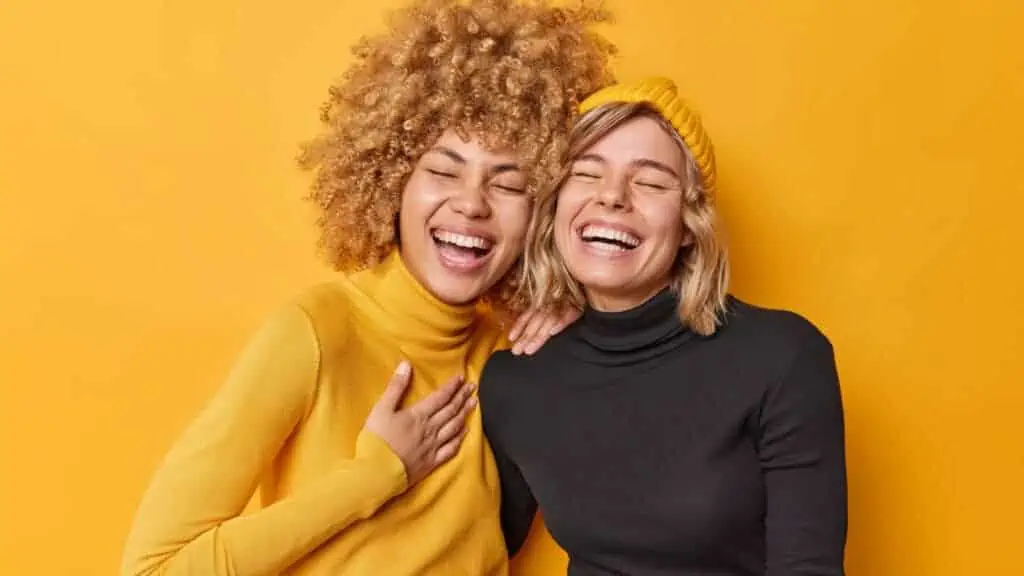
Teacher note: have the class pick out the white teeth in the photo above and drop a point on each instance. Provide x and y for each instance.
(593, 232)
(462, 240)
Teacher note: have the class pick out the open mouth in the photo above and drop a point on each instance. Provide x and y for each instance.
(606, 238)
(462, 250)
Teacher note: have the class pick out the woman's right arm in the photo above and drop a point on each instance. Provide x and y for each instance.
(190, 519)
(518, 506)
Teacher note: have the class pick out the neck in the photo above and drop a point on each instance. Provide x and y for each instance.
(632, 335)
(620, 301)
(403, 307)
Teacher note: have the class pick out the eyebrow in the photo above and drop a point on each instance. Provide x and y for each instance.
(647, 163)
(592, 158)
(641, 163)
(451, 154)
(458, 159)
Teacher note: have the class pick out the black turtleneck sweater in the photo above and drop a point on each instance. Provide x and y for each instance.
(655, 451)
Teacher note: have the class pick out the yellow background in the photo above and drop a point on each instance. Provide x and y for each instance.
(872, 179)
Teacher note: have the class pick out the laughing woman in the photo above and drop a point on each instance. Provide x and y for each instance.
(673, 429)
(434, 144)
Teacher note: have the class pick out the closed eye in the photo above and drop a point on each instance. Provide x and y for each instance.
(586, 175)
(652, 185)
(440, 173)
(509, 189)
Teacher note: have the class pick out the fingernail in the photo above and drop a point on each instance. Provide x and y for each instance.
(472, 401)
(404, 368)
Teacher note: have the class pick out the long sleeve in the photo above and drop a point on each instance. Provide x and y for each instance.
(803, 457)
(518, 506)
(190, 519)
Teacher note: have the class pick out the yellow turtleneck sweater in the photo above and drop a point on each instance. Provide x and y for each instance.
(288, 421)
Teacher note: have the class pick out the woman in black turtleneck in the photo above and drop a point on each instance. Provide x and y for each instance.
(673, 429)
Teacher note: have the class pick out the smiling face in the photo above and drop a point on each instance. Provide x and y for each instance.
(618, 224)
(463, 218)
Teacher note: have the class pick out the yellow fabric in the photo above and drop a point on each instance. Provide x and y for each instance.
(288, 421)
(662, 93)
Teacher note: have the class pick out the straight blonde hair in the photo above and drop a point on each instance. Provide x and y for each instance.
(700, 276)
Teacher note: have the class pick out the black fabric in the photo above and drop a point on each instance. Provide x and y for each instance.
(655, 451)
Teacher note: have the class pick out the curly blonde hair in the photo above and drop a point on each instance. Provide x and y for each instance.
(510, 73)
(701, 271)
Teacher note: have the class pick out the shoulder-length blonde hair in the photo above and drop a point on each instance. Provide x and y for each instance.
(701, 271)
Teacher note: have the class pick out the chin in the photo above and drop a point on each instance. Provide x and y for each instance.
(455, 291)
(604, 284)
(600, 277)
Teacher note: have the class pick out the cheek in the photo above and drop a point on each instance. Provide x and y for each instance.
(562, 227)
(570, 202)
(514, 219)
(664, 217)
(419, 200)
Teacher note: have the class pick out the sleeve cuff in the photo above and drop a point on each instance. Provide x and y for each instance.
(371, 447)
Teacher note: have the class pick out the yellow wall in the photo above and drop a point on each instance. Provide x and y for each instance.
(149, 218)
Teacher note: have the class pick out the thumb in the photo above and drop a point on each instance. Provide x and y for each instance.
(396, 387)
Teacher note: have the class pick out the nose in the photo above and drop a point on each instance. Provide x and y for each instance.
(614, 195)
(470, 201)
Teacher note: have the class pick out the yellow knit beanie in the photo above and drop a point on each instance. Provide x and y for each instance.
(661, 93)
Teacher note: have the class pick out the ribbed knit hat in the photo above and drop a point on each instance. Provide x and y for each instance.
(661, 93)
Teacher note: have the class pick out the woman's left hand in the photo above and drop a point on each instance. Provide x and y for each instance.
(533, 328)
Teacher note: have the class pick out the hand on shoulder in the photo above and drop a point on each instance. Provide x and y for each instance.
(535, 326)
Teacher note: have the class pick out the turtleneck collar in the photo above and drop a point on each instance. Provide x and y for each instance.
(634, 335)
(402, 306)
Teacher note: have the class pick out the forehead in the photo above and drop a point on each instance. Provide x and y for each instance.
(640, 138)
(474, 149)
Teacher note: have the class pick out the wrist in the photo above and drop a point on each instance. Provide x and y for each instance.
(371, 447)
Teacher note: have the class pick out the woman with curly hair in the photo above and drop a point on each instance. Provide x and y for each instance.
(674, 429)
(435, 142)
